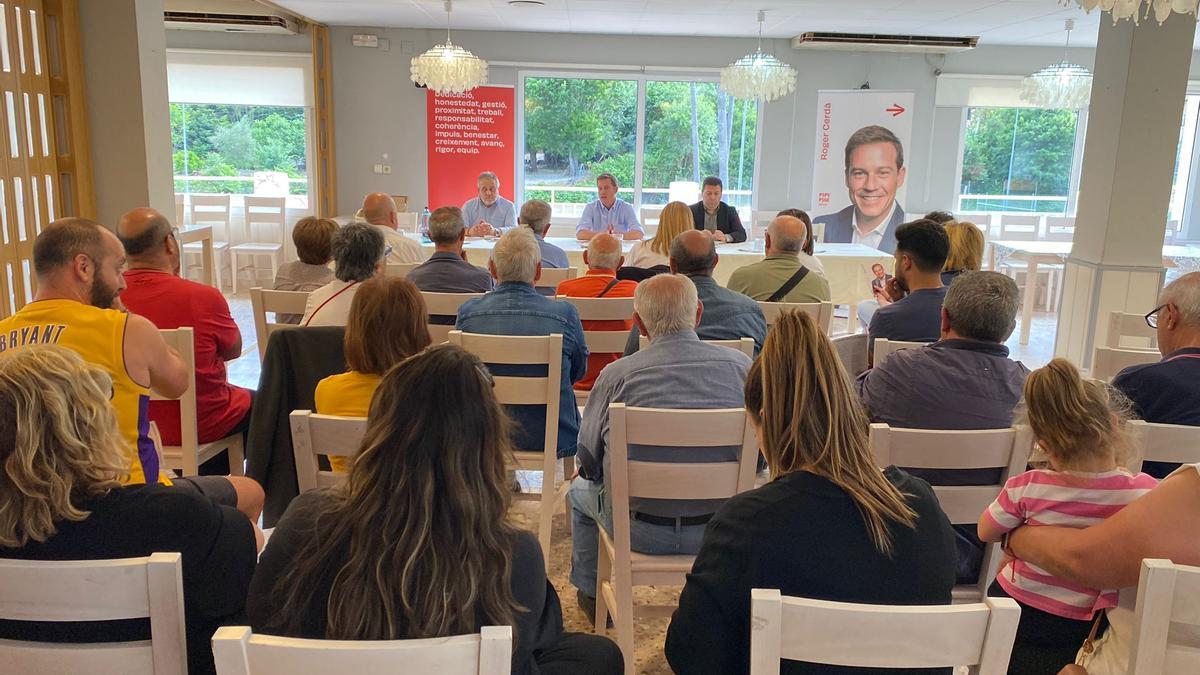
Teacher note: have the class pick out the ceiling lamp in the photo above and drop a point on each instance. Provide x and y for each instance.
(448, 68)
(758, 75)
(1060, 85)
(1133, 9)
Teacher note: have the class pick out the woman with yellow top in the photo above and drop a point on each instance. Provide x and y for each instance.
(387, 324)
(675, 219)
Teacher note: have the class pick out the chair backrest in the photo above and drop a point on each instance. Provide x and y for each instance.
(552, 276)
(182, 340)
(210, 209)
(444, 304)
(238, 652)
(1108, 361)
(181, 215)
(885, 347)
(1018, 227)
(981, 219)
(1060, 228)
(852, 350)
(646, 214)
(744, 345)
(279, 302)
(880, 636)
(1175, 443)
(603, 309)
(1167, 620)
(400, 269)
(266, 211)
(821, 312)
(96, 590)
(1172, 232)
(1130, 331)
(408, 222)
(313, 435)
(760, 219)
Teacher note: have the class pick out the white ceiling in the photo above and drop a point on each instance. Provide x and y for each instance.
(1019, 22)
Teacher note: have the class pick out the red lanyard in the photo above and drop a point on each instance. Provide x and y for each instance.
(310, 316)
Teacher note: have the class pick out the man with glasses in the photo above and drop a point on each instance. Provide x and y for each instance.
(1168, 392)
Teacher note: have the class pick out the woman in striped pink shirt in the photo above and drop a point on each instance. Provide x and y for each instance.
(1080, 427)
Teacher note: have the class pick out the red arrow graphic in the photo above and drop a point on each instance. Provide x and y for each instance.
(896, 109)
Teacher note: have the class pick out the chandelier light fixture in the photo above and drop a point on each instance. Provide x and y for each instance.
(1060, 85)
(448, 68)
(1136, 9)
(758, 75)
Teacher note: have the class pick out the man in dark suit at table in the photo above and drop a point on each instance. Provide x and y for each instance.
(718, 219)
(874, 173)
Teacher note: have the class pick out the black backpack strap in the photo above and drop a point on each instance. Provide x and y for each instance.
(789, 285)
(609, 287)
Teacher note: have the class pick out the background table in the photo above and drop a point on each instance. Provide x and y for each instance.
(847, 266)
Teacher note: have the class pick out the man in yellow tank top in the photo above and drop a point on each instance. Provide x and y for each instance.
(78, 264)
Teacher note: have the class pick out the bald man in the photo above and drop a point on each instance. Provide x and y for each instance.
(781, 276)
(154, 290)
(603, 258)
(379, 209)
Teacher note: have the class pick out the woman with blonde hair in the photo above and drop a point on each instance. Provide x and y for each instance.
(62, 461)
(830, 524)
(966, 249)
(417, 542)
(674, 220)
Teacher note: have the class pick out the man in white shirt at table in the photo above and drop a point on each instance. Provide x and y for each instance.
(489, 214)
(609, 214)
(379, 209)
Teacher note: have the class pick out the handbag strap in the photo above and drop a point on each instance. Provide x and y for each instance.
(1089, 645)
(789, 285)
(609, 287)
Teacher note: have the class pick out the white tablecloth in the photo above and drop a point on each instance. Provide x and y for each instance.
(847, 266)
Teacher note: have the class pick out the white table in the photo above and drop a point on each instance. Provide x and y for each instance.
(204, 235)
(847, 266)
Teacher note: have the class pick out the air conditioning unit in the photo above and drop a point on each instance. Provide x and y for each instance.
(860, 42)
(270, 24)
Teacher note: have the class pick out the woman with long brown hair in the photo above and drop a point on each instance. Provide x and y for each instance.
(417, 542)
(830, 525)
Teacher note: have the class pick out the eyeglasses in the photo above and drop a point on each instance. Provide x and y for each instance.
(387, 252)
(1152, 315)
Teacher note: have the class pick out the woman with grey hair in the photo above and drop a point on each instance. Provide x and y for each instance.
(359, 253)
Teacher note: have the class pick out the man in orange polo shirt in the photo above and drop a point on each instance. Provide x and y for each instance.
(603, 258)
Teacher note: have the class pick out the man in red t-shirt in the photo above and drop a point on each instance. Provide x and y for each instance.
(603, 258)
(155, 291)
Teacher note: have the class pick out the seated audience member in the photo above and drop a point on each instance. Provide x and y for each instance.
(674, 220)
(313, 238)
(609, 213)
(728, 315)
(781, 276)
(447, 270)
(939, 217)
(418, 542)
(155, 291)
(912, 311)
(516, 308)
(966, 250)
(535, 214)
(711, 214)
(384, 306)
(489, 214)
(603, 258)
(1168, 392)
(1079, 426)
(379, 210)
(807, 257)
(863, 535)
(62, 465)
(677, 370)
(359, 253)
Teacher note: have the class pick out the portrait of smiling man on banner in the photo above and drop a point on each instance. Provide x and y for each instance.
(874, 173)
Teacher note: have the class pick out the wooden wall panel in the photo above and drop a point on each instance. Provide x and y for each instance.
(325, 204)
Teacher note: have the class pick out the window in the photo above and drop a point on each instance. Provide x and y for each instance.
(1183, 160)
(1018, 160)
(575, 128)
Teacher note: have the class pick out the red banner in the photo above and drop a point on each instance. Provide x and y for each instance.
(468, 134)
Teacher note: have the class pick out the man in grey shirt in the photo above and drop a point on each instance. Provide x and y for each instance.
(489, 214)
(447, 270)
(678, 371)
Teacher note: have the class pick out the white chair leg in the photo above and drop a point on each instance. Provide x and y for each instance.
(233, 268)
(603, 576)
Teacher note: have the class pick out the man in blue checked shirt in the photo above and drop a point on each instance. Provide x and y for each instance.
(609, 214)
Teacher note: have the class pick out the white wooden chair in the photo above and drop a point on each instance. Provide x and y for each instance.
(1175, 443)
(619, 568)
(191, 453)
(213, 210)
(444, 304)
(1060, 228)
(1166, 639)
(852, 350)
(400, 269)
(648, 214)
(1005, 449)
(1129, 331)
(181, 216)
(278, 302)
(744, 345)
(821, 312)
(96, 590)
(540, 350)
(885, 348)
(328, 435)
(602, 341)
(1019, 227)
(552, 276)
(238, 652)
(1171, 233)
(265, 211)
(1108, 361)
(880, 636)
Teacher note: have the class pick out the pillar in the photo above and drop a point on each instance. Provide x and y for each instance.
(125, 63)
(1138, 91)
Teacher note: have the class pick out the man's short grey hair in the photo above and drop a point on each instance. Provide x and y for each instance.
(1184, 293)
(781, 241)
(536, 214)
(602, 258)
(982, 306)
(516, 256)
(488, 175)
(357, 249)
(686, 262)
(666, 303)
(445, 224)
